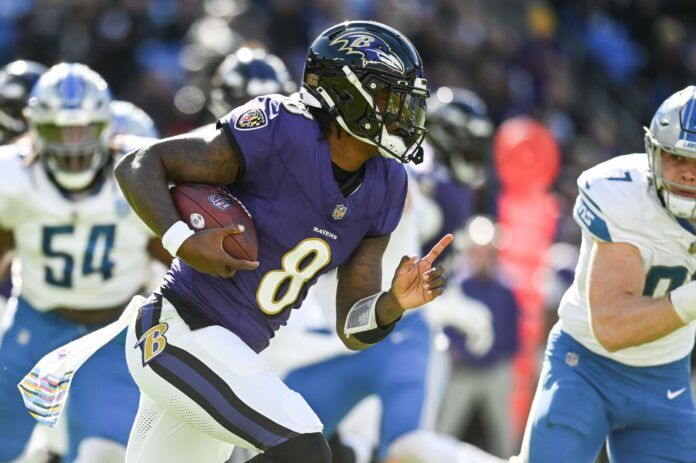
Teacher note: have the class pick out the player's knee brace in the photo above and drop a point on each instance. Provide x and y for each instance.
(304, 448)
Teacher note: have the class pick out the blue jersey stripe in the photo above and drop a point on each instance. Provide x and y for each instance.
(595, 224)
(589, 200)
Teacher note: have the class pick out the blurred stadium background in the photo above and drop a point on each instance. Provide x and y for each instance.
(592, 72)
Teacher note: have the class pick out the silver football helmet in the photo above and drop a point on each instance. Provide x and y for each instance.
(673, 129)
(70, 122)
(128, 119)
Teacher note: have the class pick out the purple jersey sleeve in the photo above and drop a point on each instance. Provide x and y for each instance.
(266, 130)
(255, 134)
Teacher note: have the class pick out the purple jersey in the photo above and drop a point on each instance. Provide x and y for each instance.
(305, 225)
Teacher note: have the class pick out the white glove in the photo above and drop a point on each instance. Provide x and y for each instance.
(471, 317)
(684, 301)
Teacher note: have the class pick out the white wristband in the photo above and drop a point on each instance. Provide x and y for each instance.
(363, 315)
(684, 301)
(175, 236)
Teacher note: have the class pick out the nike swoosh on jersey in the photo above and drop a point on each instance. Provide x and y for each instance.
(673, 395)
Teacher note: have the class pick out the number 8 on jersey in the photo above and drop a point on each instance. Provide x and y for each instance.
(299, 265)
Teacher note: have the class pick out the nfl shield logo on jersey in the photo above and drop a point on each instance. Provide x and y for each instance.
(339, 212)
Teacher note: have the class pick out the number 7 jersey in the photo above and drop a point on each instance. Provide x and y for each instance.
(617, 203)
(89, 253)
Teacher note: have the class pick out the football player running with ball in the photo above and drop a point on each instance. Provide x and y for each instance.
(617, 363)
(324, 184)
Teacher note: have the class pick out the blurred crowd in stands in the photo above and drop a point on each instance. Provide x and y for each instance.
(592, 71)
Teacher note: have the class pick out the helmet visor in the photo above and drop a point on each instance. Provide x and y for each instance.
(403, 110)
(407, 109)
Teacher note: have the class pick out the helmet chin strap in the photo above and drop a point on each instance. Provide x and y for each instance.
(392, 143)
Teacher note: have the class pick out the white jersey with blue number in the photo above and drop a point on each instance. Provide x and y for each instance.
(617, 203)
(86, 254)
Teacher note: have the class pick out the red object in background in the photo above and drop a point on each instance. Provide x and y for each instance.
(206, 206)
(527, 158)
(527, 161)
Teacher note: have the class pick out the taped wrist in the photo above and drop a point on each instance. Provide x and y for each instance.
(361, 322)
(175, 236)
(683, 300)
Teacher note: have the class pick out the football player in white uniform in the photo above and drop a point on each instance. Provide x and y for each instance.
(617, 362)
(16, 81)
(80, 255)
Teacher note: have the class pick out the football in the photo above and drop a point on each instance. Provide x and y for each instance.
(207, 206)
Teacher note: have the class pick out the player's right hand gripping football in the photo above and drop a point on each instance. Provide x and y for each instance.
(203, 251)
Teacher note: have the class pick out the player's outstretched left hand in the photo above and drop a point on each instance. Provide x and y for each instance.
(417, 282)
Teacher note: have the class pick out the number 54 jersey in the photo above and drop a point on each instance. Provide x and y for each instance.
(84, 253)
(305, 225)
(617, 203)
